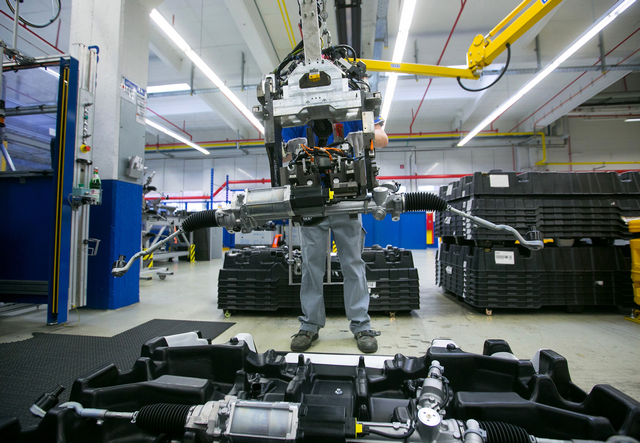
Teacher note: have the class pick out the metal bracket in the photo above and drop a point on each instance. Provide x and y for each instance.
(91, 251)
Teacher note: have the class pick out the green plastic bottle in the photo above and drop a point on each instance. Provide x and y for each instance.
(95, 185)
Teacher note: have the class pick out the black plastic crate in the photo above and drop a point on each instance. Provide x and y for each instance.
(512, 277)
(258, 279)
(554, 218)
(543, 184)
(561, 205)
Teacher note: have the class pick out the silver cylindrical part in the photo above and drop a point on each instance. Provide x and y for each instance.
(432, 393)
(271, 203)
(428, 425)
(279, 421)
(473, 434)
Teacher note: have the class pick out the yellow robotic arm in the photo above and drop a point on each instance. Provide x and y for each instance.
(484, 49)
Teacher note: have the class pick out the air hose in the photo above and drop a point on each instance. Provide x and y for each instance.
(199, 220)
(163, 418)
(423, 201)
(499, 432)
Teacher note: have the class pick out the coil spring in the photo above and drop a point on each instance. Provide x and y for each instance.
(498, 432)
(164, 418)
(199, 220)
(424, 201)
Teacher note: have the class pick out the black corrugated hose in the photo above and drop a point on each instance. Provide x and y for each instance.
(163, 418)
(199, 220)
(423, 201)
(498, 432)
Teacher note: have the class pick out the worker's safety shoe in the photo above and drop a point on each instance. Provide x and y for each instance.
(302, 340)
(367, 342)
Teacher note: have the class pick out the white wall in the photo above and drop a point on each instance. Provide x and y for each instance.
(193, 177)
(591, 141)
(597, 140)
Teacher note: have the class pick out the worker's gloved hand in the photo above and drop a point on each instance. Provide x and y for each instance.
(293, 145)
(356, 139)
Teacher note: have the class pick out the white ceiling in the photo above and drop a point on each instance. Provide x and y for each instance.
(221, 37)
(222, 44)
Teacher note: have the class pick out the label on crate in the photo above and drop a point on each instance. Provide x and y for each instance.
(371, 284)
(449, 270)
(498, 181)
(505, 258)
(449, 189)
(447, 220)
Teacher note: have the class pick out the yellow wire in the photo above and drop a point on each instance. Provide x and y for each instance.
(285, 24)
(293, 36)
(78, 322)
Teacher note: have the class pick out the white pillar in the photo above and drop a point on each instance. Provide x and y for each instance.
(120, 29)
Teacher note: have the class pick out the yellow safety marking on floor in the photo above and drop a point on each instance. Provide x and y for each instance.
(150, 258)
(3, 162)
(192, 253)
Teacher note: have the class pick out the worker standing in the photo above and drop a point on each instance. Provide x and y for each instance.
(349, 237)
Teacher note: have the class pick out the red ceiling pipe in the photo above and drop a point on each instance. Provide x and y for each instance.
(386, 177)
(240, 182)
(224, 185)
(177, 127)
(604, 116)
(31, 32)
(196, 197)
(214, 141)
(582, 89)
(577, 78)
(462, 5)
(420, 177)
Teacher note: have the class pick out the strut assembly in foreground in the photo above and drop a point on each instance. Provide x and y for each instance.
(201, 393)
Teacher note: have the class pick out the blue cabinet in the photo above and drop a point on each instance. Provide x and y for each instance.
(410, 232)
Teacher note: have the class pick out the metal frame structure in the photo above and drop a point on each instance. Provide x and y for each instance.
(69, 183)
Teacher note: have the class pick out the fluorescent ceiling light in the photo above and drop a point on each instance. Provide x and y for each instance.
(607, 18)
(632, 120)
(182, 44)
(176, 136)
(408, 6)
(168, 88)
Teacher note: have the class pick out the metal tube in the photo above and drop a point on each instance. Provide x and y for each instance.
(120, 271)
(53, 60)
(31, 110)
(534, 245)
(16, 20)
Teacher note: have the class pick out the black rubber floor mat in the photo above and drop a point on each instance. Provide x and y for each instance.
(30, 367)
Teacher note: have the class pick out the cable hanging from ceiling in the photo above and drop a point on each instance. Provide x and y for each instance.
(55, 13)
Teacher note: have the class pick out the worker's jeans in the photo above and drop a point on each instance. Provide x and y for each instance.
(349, 238)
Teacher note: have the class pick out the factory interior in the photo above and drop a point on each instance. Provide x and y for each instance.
(181, 177)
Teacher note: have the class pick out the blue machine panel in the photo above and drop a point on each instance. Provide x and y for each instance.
(116, 223)
(26, 255)
(410, 232)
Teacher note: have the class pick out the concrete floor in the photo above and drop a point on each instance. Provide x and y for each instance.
(600, 345)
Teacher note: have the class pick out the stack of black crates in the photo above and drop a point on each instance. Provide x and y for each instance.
(584, 214)
(257, 279)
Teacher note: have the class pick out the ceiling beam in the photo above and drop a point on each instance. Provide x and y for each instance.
(531, 34)
(221, 106)
(165, 50)
(249, 20)
(582, 90)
